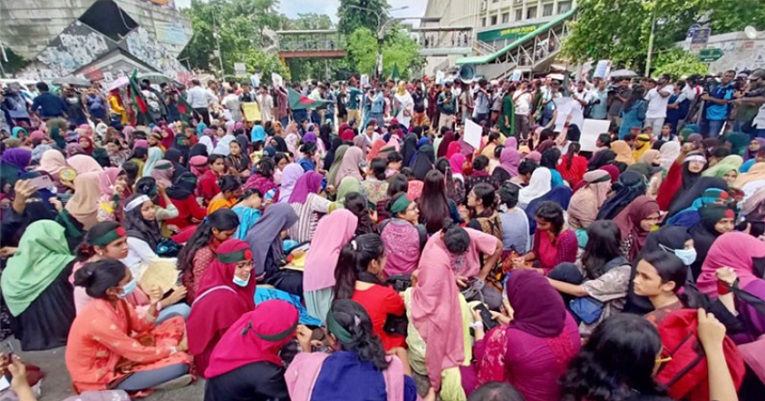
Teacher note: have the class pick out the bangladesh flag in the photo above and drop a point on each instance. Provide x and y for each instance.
(143, 116)
(395, 75)
(301, 102)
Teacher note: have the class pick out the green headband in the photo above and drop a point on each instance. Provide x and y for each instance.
(339, 331)
(400, 204)
(109, 237)
(164, 166)
(272, 337)
(604, 178)
(234, 257)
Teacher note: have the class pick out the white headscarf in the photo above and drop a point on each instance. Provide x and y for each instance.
(668, 154)
(539, 184)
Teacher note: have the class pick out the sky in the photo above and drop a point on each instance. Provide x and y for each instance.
(291, 8)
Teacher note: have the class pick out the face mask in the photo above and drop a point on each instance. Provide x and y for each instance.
(128, 289)
(242, 282)
(688, 256)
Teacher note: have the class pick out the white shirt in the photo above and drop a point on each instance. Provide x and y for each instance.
(223, 145)
(523, 104)
(266, 103)
(657, 105)
(759, 119)
(198, 97)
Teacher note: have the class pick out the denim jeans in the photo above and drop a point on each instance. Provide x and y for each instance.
(713, 128)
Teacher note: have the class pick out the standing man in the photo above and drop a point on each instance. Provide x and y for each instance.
(200, 100)
(482, 103)
(329, 111)
(717, 108)
(352, 102)
(233, 105)
(599, 109)
(619, 96)
(377, 108)
(657, 99)
(447, 107)
(170, 98)
(419, 97)
(266, 103)
(753, 100)
(522, 110)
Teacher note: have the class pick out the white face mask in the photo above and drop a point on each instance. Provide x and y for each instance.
(688, 256)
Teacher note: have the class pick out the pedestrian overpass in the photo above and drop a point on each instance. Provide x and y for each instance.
(531, 53)
(315, 43)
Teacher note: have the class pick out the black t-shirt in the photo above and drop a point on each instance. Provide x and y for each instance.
(259, 381)
(419, 101)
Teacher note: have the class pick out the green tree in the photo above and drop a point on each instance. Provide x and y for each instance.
(310, 21)
(679, 63)
(398, 49)
(351, 19)
(619, 30)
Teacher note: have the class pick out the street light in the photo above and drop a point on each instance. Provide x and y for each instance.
(380, 28)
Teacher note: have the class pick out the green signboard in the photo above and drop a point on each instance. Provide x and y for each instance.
(710, 55)
(510, 33)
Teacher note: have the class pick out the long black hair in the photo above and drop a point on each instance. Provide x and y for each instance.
(357, 204)
(456, 238)
(266, 167)
(138, 227)
(638, 93)
(433, 204)
(222, 219)
(617, 360)
(99, 276)
(552, 213)
(228, 183)
(602, 246)
(353, 262)
(573, 149)
(363, 341)
(550, 158)
(85, 251)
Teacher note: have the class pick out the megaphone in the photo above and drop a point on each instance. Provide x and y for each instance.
(467, 73)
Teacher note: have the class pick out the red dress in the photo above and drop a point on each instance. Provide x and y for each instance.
(187, 209)
(208, 186)
(574, 174)
(379, 302)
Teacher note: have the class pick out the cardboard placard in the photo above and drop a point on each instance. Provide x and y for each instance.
(590, 131)
(251, 111)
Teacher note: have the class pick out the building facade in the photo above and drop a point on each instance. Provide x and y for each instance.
(502, 21)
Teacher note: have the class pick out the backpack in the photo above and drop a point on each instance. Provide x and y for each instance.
(686, 375)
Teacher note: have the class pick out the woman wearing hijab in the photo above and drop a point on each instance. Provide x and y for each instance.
(623, 152)
(716, 220)
(539, 185)
(629, 186)
(181, 144)
(752, 180)
(14, 163)
(83, 206)
(112, 183)
(681, 176)
(423, 161)
(509, 160)
(540, 326)
(181, 194)
(178, 160)
(446, 142)
(696, 197)
(36, 288)
(643, 145)
(585, 203)
(409, 148)
(265, 241)
(226, 292)
(635, 223)
(247, 366)
(290, 175)
(349, 166)
(155, 155)
(309, 206)
(727, 168)
(163, 172)
(263, 179)
(329, 159)
(321, 260)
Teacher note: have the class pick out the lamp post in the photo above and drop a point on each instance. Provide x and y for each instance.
(654, 22)
(380, 30)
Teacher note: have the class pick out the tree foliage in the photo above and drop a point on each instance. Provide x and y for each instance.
(619, 30)
(351, 19)
(398, 49)
(679, 63)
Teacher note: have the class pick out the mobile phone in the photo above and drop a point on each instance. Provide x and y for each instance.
(9, 349)
(270, 194)
(41, 182)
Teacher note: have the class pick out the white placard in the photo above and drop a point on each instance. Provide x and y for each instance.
(590, 131)
(473, 134)
(277, 80)
(255, 80)
(364, 80)
(603, 69)
(564, 107)
(440, 77)
(516, 76)
(240, 69)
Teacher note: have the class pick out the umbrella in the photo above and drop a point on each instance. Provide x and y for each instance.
(300, 102)
(120, 82)
(71, 81)
(154, 77)
(623, 74)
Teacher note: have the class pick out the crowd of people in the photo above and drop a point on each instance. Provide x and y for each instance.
(285, 258)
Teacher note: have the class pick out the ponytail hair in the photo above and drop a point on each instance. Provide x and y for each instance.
(456, 238)
(86, 250)
(223, 219)
(350, 323)
(228, 183)
(353, 262)
(573, 149)
(99, 276)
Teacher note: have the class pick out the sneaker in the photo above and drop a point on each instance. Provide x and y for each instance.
(178, 382)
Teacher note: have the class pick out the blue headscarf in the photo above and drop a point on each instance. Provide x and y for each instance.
(257, 133)
(200, 129)
(16, 130)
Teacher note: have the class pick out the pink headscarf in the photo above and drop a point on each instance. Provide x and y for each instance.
(36, 135)
(534, 155)
(394, 141)
(456, 161)
(436, 310)
(735, 250)
(198, 165)
(84, 164)
(128, 131)
(349, 167)
(453, 149)
(141, 143)
(106, 180)
(509, 160)
(347, 135)
(332, 233)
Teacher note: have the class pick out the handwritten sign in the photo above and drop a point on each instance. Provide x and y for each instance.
(251, 111)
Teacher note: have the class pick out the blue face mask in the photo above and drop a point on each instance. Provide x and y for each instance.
(688, 256)
(242, 282)
(128, 288)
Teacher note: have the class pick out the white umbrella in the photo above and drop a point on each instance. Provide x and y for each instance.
(120, 82)
(623, 74)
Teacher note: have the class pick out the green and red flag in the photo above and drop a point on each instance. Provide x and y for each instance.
(143, 116)
(302, 102)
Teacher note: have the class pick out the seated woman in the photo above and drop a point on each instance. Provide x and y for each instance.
(358, 277)
(143, 233)
(401, 236)
(230, 191)
(246, 366)
(226, 292)
(515, 223)
(108, 240)
(684, 212)
(360, 370)
(108, 335)
(375, 185)
(584, 204)
(396, 183)
(181, 194)
(602, 275)
(333, 232)
(529, 350)
(481, 201)
(200, 250)
(635, 223)
(310, 204)
(716, 220)
(35, 287)
(552, 244)
(263, 179)
(249, 209)
(357, 204)
(434, 204)
(266, 242)
(112, 183)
